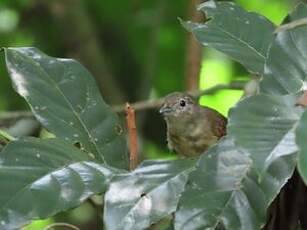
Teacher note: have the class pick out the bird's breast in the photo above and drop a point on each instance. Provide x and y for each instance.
(191, 141)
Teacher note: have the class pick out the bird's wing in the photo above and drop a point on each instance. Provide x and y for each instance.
(218, 122)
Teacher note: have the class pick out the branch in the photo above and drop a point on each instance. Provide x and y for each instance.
(141, 105)
(12, 115)
(291, 25)
(6, 136)
(133, 144)
(154, 104)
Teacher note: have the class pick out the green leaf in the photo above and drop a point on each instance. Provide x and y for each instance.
(301, 137)
(225, 190)
(263, 125)
(235, 32)
(42, 177)
(64, 98)
(5, 135)
(151, 192)
(286, 66)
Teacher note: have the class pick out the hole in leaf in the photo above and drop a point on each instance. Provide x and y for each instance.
(78, 145)
(118, 129)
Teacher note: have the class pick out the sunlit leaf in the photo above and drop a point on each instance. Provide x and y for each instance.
(286, 66)
(145, 196)
(235, 32)
(225, 190)
(42, 177)
(65, 99)
(264, 126)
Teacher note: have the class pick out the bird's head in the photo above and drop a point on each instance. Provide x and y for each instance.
(177, 105)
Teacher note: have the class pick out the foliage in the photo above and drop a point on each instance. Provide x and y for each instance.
(49, 176)
(74, 115)
(225, 188)
(235, 33)
(231, 185)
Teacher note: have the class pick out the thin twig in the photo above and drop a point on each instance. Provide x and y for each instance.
(61, 225)
(12, 115)
(130, 117)
(141, 105)
(154, 104)
(291, 25)
(6, 136)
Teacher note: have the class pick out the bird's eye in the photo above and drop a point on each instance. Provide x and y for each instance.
(182, 103)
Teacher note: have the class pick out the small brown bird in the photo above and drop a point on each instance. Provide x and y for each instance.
(191, 128)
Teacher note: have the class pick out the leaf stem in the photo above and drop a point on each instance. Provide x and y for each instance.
(154, 104)
(291, 25)
(6, 136)
(141, 105)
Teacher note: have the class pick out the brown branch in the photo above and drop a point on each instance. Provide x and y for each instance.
(133, 144)
(141, 105)
(194, 51)
(291, 25)
(154, 104)
(12, 115)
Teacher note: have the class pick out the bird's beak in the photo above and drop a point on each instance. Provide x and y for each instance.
(165, 110)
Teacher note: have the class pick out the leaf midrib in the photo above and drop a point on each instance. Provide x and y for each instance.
(22, 189)
(153, 189)
(232, 192)
(83, 125)
(243, 42)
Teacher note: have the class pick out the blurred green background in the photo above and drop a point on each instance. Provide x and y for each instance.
(136, 50)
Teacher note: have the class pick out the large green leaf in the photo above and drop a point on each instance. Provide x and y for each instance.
(145, 196)
(286, 66)
(64, 98)
(225, 189)
(42, 177)
(264, 126)
(301, 140)
(235, 32)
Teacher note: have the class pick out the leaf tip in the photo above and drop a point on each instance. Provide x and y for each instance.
(189, 25)
(211, 4)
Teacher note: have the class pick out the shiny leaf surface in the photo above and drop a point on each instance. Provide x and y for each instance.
(235, 32)
(301, 137)
(264, 126)
(42, 177)
(226, 190)
(286, 66)
(65, 99)
(145, 196)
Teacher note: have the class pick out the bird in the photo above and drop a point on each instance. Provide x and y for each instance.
(191, 128)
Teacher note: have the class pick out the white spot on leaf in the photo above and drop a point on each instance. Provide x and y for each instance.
(19, 80)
